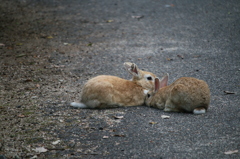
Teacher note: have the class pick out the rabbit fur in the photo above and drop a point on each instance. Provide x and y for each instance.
(186, 94)
(107, 91)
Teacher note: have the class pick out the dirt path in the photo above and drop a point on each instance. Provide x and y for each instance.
(49, 49)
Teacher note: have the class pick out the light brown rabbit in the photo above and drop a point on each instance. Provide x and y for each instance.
(186, 94)
(106, 91)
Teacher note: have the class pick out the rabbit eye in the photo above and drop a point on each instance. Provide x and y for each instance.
(149, 78)
(148, 95)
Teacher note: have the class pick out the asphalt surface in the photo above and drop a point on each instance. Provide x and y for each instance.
(183, 38)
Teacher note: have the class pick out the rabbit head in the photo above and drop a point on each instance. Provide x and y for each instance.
(140, 77)
(155, 98)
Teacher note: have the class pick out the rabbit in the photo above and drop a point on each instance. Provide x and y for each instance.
(186, 94)
(107, 91)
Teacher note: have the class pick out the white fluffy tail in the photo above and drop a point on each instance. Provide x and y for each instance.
(78, 105)
(199, 111)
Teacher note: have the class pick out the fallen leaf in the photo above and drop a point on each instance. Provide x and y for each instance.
(113, 130)
(152, 122)
(28, 80)
(109, 21)
(19, 44)
(180, 56)
(21, 55)
(105, 137)
(228, 92)
(40, 149)
(49, 37)
(169, 5)
(89, 44)
(196, 56)
(118, 117)
(165, 117)
(138, 17)
(21, 116)
(29, 88)
(35, 156)
(57, 66)
(230, 152)
(118, 135)
(56, 142)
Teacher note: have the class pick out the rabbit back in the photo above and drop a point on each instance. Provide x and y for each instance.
(110, 91)
(188, 94)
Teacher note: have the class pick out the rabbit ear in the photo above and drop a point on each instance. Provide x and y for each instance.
(164, 81)
(132, 68)
(157, 84)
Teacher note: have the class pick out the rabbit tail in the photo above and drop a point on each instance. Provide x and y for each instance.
(199, 111)
(78, 105)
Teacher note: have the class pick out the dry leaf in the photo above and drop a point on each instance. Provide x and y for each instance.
(57, 66)
(118, 135)
(165, 117)
(21, 55)
(180, 56)
(21, 116)
(105, 137)
(113, 130)
(196, 56)
(56, 142)
(29, 88)
(138, 17)
(109, 21)
(89, 44)
(35, 156)
(28, 80)
(49, 37)
(152, 122)
(169, 5)
(118, 117)
(230, 152)
(228, 92)
(19, 44)
(40, 149)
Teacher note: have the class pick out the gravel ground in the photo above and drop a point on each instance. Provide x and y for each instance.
(50, 48)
